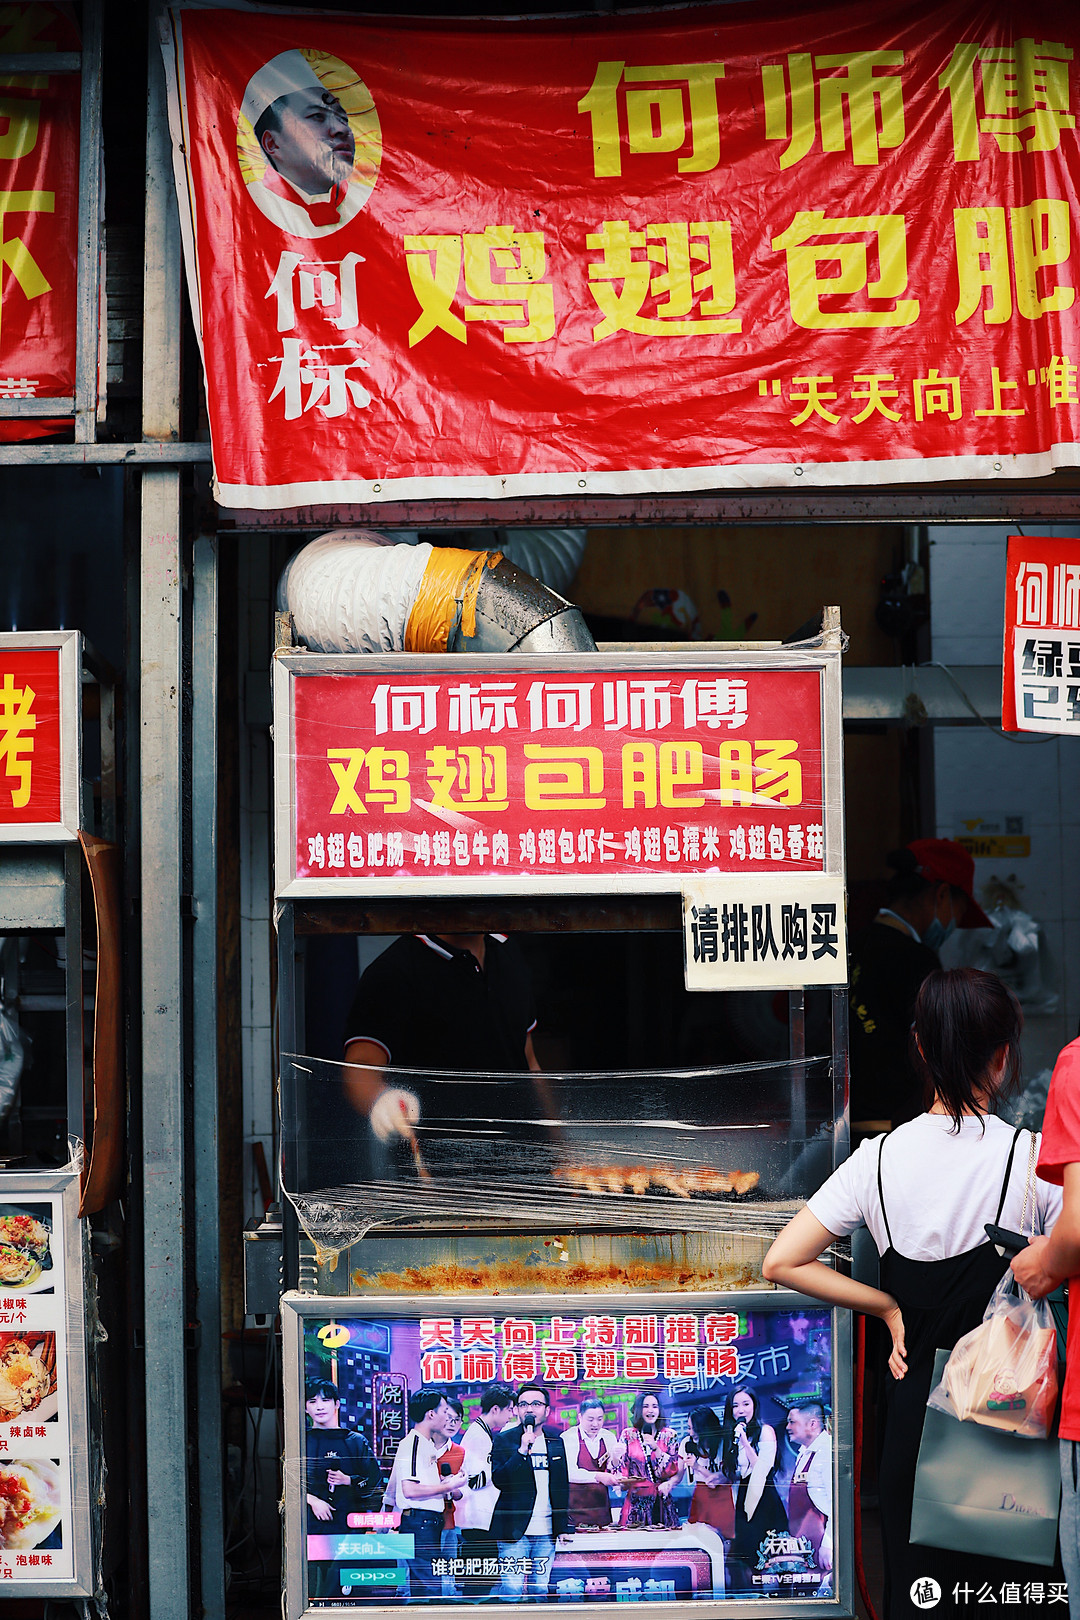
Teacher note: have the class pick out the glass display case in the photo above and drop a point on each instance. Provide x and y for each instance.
(579, 1233)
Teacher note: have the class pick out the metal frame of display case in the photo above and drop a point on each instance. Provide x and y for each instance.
(297, 1308)
(518, 904)
(548, 905)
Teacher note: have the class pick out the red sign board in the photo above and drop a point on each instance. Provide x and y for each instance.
(406, 776)
(658, 251)
(39, 762)
(39, 217)
(1041, 662)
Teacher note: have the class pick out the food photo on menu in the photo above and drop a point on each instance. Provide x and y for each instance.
(31, 1505)
(28, 1387)
(638, 1455)
(25, 1248)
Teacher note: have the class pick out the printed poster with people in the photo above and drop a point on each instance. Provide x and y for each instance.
(628, 1452)
(612, 254)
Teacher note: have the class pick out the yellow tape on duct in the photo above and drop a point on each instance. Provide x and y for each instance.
(447, 595)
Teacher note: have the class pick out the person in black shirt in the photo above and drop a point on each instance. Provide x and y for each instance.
(342, 1477)
(928, 896)
(460, 1003)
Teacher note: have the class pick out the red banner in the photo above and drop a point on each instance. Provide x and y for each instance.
(39, 217)
(677, 250)
(527, 775)
(1041, 663)
(30, 755)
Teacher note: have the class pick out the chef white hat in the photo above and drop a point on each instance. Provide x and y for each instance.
(279, 77)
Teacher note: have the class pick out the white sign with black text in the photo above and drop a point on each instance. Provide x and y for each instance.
(764, 932)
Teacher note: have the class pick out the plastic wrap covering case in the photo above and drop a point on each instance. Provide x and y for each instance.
(689, 1150)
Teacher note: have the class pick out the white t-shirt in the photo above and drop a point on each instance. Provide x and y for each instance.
(417, 1460)
(475, 1510)
(574, 1438)
(540, 1523)
(941, 1187)
(813, 1466)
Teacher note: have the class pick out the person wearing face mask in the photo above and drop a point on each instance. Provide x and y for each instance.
(928, 896)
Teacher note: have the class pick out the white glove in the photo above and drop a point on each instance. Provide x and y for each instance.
(394, 1113)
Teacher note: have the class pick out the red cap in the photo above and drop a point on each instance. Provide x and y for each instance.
(941, 860)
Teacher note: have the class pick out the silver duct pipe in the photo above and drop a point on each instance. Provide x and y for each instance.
(354, 590)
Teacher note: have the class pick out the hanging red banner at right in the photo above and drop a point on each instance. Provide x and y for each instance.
(653, 252)
(1041, 656)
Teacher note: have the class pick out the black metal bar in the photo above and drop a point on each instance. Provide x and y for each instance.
(983, 503)
(841, 1075)
(797, 1053)
(558, 914)
(24, 62)
(289, 1016)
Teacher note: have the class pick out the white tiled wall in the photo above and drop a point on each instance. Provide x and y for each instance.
(979, 773)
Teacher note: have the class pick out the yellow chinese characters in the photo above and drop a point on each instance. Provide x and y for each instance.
(1060, 379)
(504, 272)
(387, 780)
(1005, 92)
(667, 775)
(750, 772)
(564, 778)
(884, 233)
(17, 726)
(15, 256)
(801, 106)
(674, 102)
(1040, 236)
(624, 277)
(935, 394)
(468, 778)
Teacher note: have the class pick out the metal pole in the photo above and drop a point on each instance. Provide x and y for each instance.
(91, 250)
(289, 1104)
(841, 1076)
(160, 791)
(204, 768)
(73, 990)
(797, 1052)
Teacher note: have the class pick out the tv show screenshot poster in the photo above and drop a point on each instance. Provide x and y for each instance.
(726, 1491)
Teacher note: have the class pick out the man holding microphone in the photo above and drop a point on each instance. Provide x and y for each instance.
(528, 1467)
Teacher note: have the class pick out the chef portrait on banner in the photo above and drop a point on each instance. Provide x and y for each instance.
(309, 142)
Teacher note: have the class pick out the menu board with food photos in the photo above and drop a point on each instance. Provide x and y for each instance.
(45, 1448)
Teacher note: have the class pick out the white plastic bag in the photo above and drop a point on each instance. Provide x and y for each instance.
(1003, 1374)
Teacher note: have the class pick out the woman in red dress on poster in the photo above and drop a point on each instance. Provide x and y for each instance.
(651, 1465)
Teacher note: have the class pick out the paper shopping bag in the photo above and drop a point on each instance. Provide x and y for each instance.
(980, 1490)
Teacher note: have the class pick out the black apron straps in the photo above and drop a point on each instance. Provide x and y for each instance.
(1001, 1200)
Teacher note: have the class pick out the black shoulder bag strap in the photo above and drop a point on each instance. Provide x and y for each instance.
(1008, 1173)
